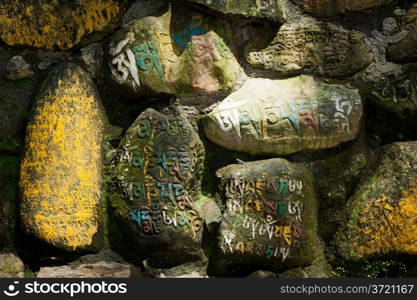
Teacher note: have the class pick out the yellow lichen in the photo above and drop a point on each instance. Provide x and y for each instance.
(60, 174)
(49, 24)
(385, 226)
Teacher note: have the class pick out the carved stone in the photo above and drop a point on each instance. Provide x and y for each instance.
(52, 24)
(271, 215)
(158, 171)
(273, 10)
(281, 117)
(172, 55)
(382, 216)
(60, 176)
(403, 46)
(314, 48)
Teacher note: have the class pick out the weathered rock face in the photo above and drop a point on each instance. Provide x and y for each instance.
(172, 55)
(273, 10)
(11, 266)
(105, 264)
(382, 215)
(60, 176)
(271, 214)
(404, 42)
(331, 7)
(315, 48)
(158, 170)
(53, 24)
(285, 116)
(18, 68)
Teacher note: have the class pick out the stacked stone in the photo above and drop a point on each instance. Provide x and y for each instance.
(279, 106)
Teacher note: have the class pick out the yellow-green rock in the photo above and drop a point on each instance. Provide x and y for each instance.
(60, 175)
(55, 24)
(382, 215)
(331, 7)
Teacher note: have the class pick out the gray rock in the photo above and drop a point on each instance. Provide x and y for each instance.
(105, 264)
(382, 214)
(18, 68)
(274, 10)
(271, 215)
(279, 117)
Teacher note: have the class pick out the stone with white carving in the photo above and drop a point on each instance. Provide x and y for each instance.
(311, 47)
(382, 214)
(157, 173)
(270, 219)
(279, 117)
(170, 54)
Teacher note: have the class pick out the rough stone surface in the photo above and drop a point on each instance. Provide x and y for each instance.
(331, 7)
(54, 24)
(336, 176)
(158, 169)
(105, 264)
(319, 269)
(404, 44)
(382, 213)
(273, 10)
(285, 116)
(92, 58)
(60, 177)
(171, 54)
(189, 270)
(313, 47)
(271, 215)
(262, 274)
(18, 68)
(11, 266)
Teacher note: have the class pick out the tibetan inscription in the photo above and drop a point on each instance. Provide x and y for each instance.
(60, 176)
(317, 48)
(270, 213)
(156, 55)
(158, 170)
(281, 117)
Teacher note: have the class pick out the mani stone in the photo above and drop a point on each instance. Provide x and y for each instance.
(158, 171)
(332, 7)
(60, 173)
(55, 24)
(382, 215)
(279, 117)
(403, 37)
(315, 48)
(273, 10)
(270, 220)
(171, 54)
